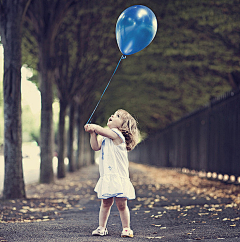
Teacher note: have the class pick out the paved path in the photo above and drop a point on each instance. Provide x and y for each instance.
(166, 209)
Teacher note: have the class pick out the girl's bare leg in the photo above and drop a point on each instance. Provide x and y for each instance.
(104, 212)
(123, 211)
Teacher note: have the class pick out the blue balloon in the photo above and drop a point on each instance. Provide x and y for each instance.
(135, 29)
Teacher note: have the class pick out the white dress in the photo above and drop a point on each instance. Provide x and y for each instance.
(113, 167)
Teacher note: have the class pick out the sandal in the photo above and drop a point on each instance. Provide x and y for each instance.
(100, 231)
(127, 232)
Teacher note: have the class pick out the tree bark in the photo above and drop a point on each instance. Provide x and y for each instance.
(79, 127)
(46, 18)
(10, 31)
(71, 165)
(46, 77)
(61, 171)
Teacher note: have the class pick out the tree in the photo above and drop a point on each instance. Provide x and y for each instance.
(1, 99)
(72, 118)
(66, 91)
(45, 18)
(11, 17)
(78, 60)
(193, 58)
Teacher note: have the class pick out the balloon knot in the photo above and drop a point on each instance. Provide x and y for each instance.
(123, 57)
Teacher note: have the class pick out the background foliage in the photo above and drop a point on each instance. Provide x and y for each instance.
(193, 58)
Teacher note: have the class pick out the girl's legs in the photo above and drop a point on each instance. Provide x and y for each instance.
(124, 211)
(104, 212)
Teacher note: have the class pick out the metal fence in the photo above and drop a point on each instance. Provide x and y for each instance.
(205, 140)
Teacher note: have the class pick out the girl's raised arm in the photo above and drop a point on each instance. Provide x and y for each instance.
(94, 142)
(101, 131)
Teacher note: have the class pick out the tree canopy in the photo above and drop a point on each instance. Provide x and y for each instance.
(193, 58)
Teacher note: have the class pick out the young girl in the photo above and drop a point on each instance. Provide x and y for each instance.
(114, 182)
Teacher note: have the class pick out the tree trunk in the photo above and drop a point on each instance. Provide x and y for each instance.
(46, 18)
(81, 151)
(11, 36)
(61, 171)
(79, 129)
(71, 166)
(87, 150)
(46, 77)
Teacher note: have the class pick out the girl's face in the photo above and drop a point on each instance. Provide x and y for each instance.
(115, 121)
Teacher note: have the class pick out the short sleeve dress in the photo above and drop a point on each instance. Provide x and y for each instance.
(113, 167)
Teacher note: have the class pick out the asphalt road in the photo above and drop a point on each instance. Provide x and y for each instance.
(161, 212)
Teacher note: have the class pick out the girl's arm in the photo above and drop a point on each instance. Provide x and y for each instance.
(95, 129)
(95, 143)
(102, 131)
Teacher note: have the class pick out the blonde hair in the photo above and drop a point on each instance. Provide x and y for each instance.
(129, 129)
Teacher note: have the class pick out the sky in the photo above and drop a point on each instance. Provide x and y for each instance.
(30, 94)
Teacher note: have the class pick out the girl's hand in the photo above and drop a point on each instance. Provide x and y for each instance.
(94, 128)
(89, 128)
(95, 143)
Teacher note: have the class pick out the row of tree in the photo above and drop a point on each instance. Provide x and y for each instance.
(61, 40)
(71, 44)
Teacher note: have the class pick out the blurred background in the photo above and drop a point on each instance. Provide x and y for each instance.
(193, 59)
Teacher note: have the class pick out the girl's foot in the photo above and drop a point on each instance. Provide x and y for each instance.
(100, 231)
(127, 232)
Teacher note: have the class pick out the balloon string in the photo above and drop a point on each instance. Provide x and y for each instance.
(122, 57)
